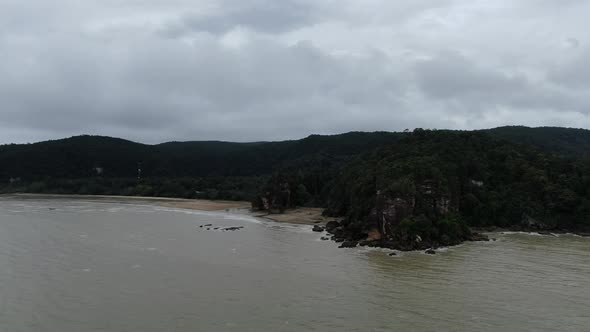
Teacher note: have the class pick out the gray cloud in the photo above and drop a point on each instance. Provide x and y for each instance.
(574, 74)
(453, 76)
(264, 70)
(265, 16)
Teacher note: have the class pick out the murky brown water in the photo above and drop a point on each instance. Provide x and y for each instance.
(86, 266)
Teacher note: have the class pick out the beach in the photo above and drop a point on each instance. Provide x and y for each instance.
(301, 216)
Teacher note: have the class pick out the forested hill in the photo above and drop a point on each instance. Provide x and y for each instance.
(80, 156)
(433, 185)
(567, 142)
(203, 169)
(220, 170)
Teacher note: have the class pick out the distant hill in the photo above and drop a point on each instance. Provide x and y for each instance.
(203, 169)
(79, 156)
(567, 142)
(223, 170)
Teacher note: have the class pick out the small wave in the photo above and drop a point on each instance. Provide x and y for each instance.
(365, 249)
(245, 218)
(570, 235)
(188, 211)
(521, 233)
(292, 227)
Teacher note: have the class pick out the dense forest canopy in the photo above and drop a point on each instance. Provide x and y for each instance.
(502, 176)
(433, 184)
(207, 169)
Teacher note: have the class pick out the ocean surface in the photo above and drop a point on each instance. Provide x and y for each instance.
(72, 265)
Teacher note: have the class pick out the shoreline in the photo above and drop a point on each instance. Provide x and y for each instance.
(182, 203)
(298, 216)
(531, 231)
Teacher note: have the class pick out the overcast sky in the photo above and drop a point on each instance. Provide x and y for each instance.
(243, 70)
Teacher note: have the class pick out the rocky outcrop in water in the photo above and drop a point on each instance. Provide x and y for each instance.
(235, 228)
(422, 220)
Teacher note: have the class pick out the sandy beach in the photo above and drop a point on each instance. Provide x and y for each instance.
(193, 204)
(302, 216)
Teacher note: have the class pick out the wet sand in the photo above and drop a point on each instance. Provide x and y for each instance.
(301, 216)
(180, 203)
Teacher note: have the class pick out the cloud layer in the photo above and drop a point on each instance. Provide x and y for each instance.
(247, 70)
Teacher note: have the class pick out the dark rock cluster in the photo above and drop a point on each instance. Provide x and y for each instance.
(225, 229)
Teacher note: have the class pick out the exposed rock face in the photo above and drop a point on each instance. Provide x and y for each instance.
(421, 220)
(275, 200)
(529, 223)
(389, 211)
(374, 235)
(388, 214)
(443, 205)
(265, 203)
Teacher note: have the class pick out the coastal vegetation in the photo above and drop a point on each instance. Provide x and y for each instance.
(429, 188)
(411, 190)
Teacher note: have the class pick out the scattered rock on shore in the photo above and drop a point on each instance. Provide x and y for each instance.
(337, 239)
(317, 228)
(331, 225)
(370, 243)
(348, 244)
(430, 251)
(325, 238)
(392, 254)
